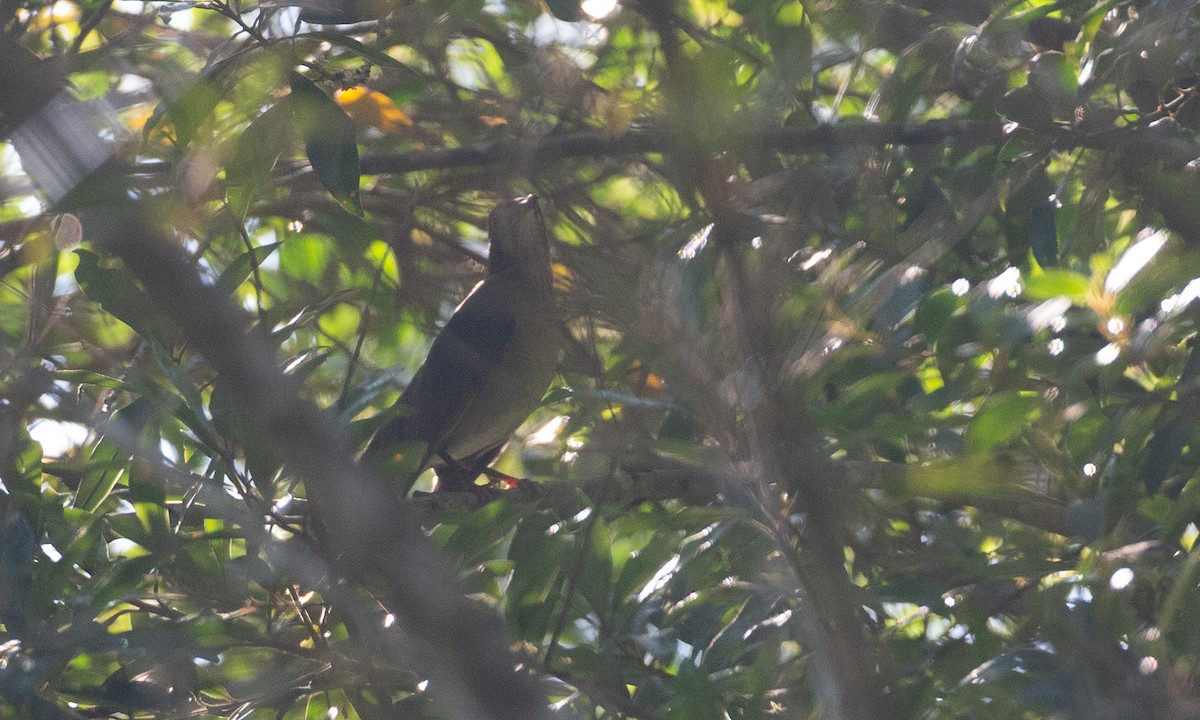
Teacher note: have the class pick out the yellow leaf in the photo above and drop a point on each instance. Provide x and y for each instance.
(370, 108)
(54, 15)
(563, 277)
(136, 116)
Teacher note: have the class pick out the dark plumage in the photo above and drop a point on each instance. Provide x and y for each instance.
(488, 368)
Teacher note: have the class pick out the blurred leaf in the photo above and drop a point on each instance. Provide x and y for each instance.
(1157, 280)
(119, 294)
(330, 141)
(1001, 418)
(108, 461)
(696, 698)
(479, 533)
(1054, 283)
(238, 271)
(1043, 236)
(596, 583)
(187, 111)
(366, 52)
(254, 154)
(1162, 452)
(18, 546)
(87, 377)
(341, 12)
(565, 10)
(958, 341)
(1026, 107)
(1054, 79)
(539, 559)
(934, 312)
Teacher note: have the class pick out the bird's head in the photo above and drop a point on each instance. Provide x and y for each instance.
(519, 241)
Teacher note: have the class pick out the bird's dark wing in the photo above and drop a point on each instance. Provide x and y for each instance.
(462, 355)
(470, 344)
(482, 327)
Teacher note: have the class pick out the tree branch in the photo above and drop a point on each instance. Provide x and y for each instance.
(660, 479)
(640, 141)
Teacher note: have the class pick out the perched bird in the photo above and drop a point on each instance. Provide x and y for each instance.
(487, 369)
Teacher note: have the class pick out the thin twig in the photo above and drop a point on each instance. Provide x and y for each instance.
(363, 322)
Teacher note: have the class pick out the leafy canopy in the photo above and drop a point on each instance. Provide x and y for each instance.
(877, 399)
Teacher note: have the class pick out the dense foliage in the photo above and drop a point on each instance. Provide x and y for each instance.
(878, 388)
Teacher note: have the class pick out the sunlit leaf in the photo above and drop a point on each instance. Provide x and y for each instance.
(1001, 418)
(242, 267)
(186, 112)
(1057, 283)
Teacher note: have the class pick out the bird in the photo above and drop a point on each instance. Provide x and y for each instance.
(487, 369)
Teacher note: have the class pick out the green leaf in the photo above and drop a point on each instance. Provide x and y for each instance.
(1001, 418)
(696, 696)
(307, 315)
(362, 395)
(1043, 235)
(329, 140)
(1058, 283)
(792, 43)
(959, 341)
(242, 266)
(18, 547)
(87, 377)
(258, 148)
(1162, 451)
(479, 533)
(596, 584)
(24, 479)
(1025, 107)
(187, 111)
(119, 293)
(108, 461)
(934, 312)
(539, 558)
(317, 707)
(1171, 269)
(1055, 81)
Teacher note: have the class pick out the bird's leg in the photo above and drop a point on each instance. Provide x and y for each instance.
(503, 480)
(454, 476)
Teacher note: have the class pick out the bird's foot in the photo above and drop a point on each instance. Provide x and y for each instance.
(503, 481)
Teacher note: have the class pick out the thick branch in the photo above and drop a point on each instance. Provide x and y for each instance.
(640, 141)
